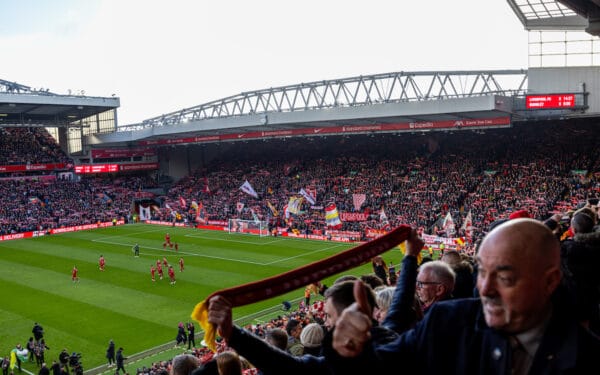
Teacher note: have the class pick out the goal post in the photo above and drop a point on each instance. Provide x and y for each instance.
(259, 228)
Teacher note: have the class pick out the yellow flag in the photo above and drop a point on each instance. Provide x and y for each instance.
(200, 314)
(402, 248)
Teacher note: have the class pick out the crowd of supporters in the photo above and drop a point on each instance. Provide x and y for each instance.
(35, 201)
(415, 179)
(29, 146)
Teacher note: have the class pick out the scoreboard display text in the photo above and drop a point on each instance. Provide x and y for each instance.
(550, 101)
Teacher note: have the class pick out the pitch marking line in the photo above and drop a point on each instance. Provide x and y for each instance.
(131, 234)
(181, 252)
(216, 257)
(226, 240)
(301, 255)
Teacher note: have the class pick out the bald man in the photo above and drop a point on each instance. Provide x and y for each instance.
(518, 325)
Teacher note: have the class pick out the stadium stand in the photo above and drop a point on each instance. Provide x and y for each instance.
(416, 179)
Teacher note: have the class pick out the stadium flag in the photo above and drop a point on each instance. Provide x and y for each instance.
(383, 218)
(358, 200)
(248, 189)
(194, 205)
(278, 285)
(448, 225)
(286, 212)
(34, 200)
(272, 208)
(106, 198)
(145, 213)
(467, 226)
(332, 217)
(182, 202)
(239, 206)
(206, 188)
(15, 354)
(312, 191)
(254, 216)
(294, 204)
(402, 248)
(308, 197)
(201, 214)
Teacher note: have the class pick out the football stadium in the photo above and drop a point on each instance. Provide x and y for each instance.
(114, 236)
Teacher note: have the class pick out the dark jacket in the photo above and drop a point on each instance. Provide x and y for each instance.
(110, 352)
(580, 258)
(453, 338)
(273, 361)
(401, 316)
(464, 283)
(55, 369)
(181, 335)
(120, 358)
(63, 357)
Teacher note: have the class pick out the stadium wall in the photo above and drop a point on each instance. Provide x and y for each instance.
(567, 80)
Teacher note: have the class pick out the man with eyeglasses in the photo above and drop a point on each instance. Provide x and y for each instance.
(435, 282)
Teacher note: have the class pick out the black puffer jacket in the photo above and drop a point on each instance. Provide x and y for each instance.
(580, 257)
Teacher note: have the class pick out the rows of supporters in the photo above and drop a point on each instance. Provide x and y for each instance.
(412, 179)
(31, 205)
(20, 146)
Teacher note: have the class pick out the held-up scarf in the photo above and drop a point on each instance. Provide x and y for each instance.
(280, 284)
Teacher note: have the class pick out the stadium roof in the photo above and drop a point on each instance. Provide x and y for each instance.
(547, 15)
(389, 98)
(23, 106)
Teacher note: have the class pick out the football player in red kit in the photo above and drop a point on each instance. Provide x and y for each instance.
(101, 263)
(172, 275)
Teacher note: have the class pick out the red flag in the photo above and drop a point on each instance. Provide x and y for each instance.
(206, 188)
(358, 200)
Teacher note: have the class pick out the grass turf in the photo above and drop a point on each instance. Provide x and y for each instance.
(122, 303)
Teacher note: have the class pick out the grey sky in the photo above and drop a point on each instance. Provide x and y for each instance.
(161, 56)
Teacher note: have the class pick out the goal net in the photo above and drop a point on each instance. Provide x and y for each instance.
(259, 228)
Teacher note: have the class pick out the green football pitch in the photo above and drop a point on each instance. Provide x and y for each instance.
(122, 303)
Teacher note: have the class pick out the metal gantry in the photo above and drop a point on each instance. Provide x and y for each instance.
(7, 87)
(350, 92)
